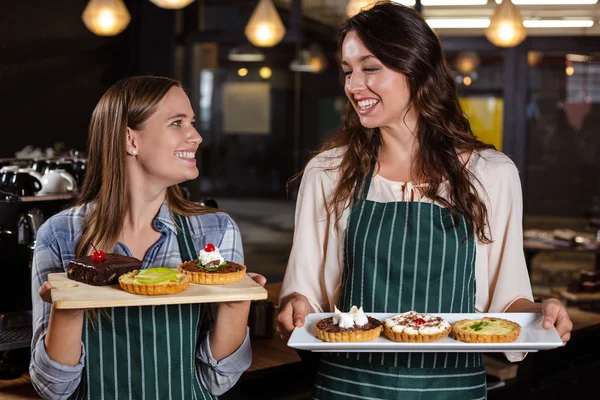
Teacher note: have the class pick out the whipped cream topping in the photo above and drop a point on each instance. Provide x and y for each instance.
(208, 256)
(414, 323)
(355, 317)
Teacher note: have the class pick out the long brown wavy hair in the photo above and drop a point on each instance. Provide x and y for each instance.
(401, 39)
(128, 103)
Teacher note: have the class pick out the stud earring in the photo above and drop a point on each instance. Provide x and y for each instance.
(134, 152)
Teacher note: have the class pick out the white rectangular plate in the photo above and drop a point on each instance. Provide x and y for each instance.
(68, 294)
(533, 337)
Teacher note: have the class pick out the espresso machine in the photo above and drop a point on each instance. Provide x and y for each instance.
(20, 219)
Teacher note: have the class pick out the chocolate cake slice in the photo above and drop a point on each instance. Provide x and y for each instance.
(100, 273)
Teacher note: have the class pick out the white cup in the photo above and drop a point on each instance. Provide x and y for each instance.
(31, 172)
(57, 181)
(9, 168)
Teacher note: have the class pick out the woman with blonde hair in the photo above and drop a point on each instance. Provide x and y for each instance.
(142, 144)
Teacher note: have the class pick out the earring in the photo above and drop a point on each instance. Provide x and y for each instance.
(134, 152)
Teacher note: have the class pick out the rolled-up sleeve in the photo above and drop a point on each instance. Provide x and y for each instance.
(219, 377)
(50, 379)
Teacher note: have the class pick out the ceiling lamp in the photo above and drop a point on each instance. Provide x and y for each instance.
(106, 17)
(310, 60)
(355, 6)
(264, 29)
(551, 2)
(172, 4)
(265, 72)
(534, 57)
(467, 62)
(506, 26)
(245, 54)
(446, 3)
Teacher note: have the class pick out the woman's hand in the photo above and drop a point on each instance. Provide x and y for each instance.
(45, 292)
(261, 280)
(292, 312)
(244, 305)
(555, 314)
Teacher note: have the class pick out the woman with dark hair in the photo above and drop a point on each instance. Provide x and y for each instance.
(142, 144)
(404, 209)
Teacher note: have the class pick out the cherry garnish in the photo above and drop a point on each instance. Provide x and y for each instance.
(419, 321)
(209, 247)
(97, 255)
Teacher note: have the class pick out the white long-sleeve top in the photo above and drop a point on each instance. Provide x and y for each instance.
(316, 260)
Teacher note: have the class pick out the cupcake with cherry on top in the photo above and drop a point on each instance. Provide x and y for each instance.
(212, 269)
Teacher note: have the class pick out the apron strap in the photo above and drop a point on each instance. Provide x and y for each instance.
(369, 176)
(184, 237)
(188, 253)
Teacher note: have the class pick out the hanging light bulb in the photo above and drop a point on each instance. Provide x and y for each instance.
(245, 53)
(467, 62)
(106, 17)
(264, 29)
(265, 72)
(172, 4)
(355, 6)
(534, 57)
(317, 58)
(311, 59)
(506, 26)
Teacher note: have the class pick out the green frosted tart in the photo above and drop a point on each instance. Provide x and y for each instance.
(154, 281)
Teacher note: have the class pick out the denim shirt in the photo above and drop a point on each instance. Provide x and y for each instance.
(56, 243)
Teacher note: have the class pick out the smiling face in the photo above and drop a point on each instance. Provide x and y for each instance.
(165, 148)
(380, 95)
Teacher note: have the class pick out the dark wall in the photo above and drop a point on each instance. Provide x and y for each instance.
(562, 161)
(53, 70)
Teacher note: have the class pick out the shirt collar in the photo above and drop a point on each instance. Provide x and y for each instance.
(164, 218)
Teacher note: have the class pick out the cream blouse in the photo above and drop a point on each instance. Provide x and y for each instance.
(316, 260)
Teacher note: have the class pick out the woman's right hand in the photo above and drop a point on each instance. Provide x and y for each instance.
(45, 292)
(294, 308)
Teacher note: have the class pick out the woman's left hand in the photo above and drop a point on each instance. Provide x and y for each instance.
(555, 314)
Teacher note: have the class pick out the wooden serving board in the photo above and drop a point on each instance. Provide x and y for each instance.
(69, 294)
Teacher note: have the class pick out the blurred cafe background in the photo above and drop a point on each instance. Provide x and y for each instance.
(264, 80)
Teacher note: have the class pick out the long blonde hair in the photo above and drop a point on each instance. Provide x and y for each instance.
(128, 103)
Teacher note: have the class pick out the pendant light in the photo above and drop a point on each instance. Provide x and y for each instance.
(172, 4)
(355, 6)
(264, 29)
(106, 17)
(467, 62)
(311, 59)
(506, 26)
(246, 53)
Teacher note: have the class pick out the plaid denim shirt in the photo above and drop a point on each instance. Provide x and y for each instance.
(56, 243)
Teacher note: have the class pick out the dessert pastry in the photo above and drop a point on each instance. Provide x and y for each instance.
(101, 269)
(416, 327)
(154, 281)
(353, 326)
(486, 330)
(212, 269)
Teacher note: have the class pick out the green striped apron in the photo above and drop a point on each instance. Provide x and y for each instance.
(145, 352)
(403, 256)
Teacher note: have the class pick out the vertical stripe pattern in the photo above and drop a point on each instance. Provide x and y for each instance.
(403, 256)
(145, 352)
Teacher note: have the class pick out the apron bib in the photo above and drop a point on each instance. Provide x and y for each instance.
(403, 256)
(145, 352)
